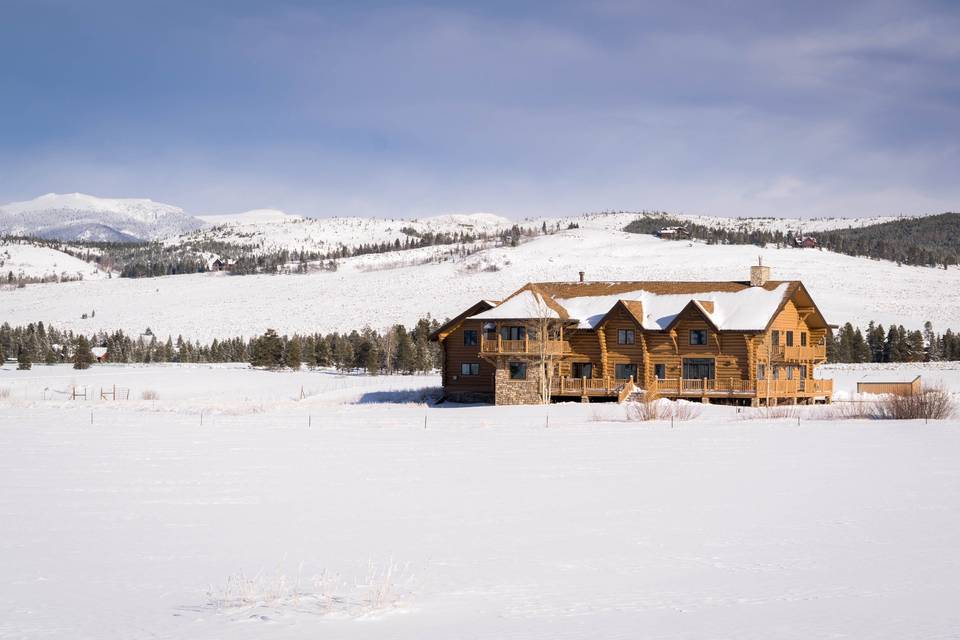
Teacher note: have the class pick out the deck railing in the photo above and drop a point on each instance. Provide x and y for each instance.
(525, 346)
(735, 386)
(586, 386)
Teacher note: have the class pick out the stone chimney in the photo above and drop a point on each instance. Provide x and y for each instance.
(581, 276)
(759, 274)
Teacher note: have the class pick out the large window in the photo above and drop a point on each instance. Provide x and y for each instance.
(470, 337)
(698, 336)
(513, 333)
(626, 336)
(470, 368)
(626, 371)
(660, 371)
(775, 338)
(761, 371)
(698, 368)
(518, 370)
(789, 338)
(582, 370)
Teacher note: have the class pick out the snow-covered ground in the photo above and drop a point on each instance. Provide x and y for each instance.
(31, 261)
(383, 289)
(248, 504)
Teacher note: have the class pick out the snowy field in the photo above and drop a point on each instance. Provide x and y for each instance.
(246, 504)
(384, 289)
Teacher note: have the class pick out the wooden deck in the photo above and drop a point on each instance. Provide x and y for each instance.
(706, 388)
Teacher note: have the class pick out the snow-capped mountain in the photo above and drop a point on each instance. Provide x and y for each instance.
(77, 216)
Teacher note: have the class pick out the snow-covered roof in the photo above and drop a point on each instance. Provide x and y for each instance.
(98, 352)
(525, 304)
(730, 306)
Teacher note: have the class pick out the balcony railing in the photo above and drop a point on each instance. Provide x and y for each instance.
(809, 352)
(526, 346)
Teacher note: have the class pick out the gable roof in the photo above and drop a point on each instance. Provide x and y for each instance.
(655, 305)
(450, 326)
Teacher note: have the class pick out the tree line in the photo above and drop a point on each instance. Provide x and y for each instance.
(931, 241)
(395, 350)
(895, 344)
(192, 255)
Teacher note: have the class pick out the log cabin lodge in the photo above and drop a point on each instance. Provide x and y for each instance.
(753, 342)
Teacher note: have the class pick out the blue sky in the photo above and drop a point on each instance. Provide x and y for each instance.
(420, 108)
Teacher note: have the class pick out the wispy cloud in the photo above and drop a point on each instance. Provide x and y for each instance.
(409, 110)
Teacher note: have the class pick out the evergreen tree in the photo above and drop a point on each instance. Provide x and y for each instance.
(405, 358)
(82, 356)
(891, 349)
(267, 351)
(324, 355)
(24, 360)
(371, 359)
(291, 356)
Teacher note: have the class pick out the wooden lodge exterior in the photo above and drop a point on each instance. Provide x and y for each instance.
(755, 342)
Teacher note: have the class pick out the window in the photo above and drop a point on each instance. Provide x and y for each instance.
(582, 370)
(776, 373)
(789, 373)
(803, 338)
(803, 371)
(789, 338)
(626, 336)
(761, 371)
(698, 368)
(626, 371)
(470, 368)
(470, 337)
(660, 371)
(698, 336)
(775, 338)
(518, 370)
(513, 333)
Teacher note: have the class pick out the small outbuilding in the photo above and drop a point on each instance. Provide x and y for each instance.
(879, 385)
(99, 353)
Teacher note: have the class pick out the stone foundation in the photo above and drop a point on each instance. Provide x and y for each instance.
(517, 391)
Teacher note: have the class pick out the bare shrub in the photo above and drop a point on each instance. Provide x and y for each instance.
(775, 412)
(646, 407)
(683, 410)
(4, 393)
(651, 406)
(847, 410)
(932, 403)
(150, 394)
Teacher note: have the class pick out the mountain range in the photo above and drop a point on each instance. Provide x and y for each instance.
(77, 216)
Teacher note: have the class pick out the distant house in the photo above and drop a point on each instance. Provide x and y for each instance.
(219, 264)
(99, 353)
(674, 233)
(805, 242)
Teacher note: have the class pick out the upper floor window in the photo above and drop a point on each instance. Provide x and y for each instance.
(626, 336)
(761, 371)
(470, 369)
(513, 333)
(660, 371)
(698, 336)
(775, 337)
(470, 337)
(518, 370)
(803, 338)
(789, 338)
